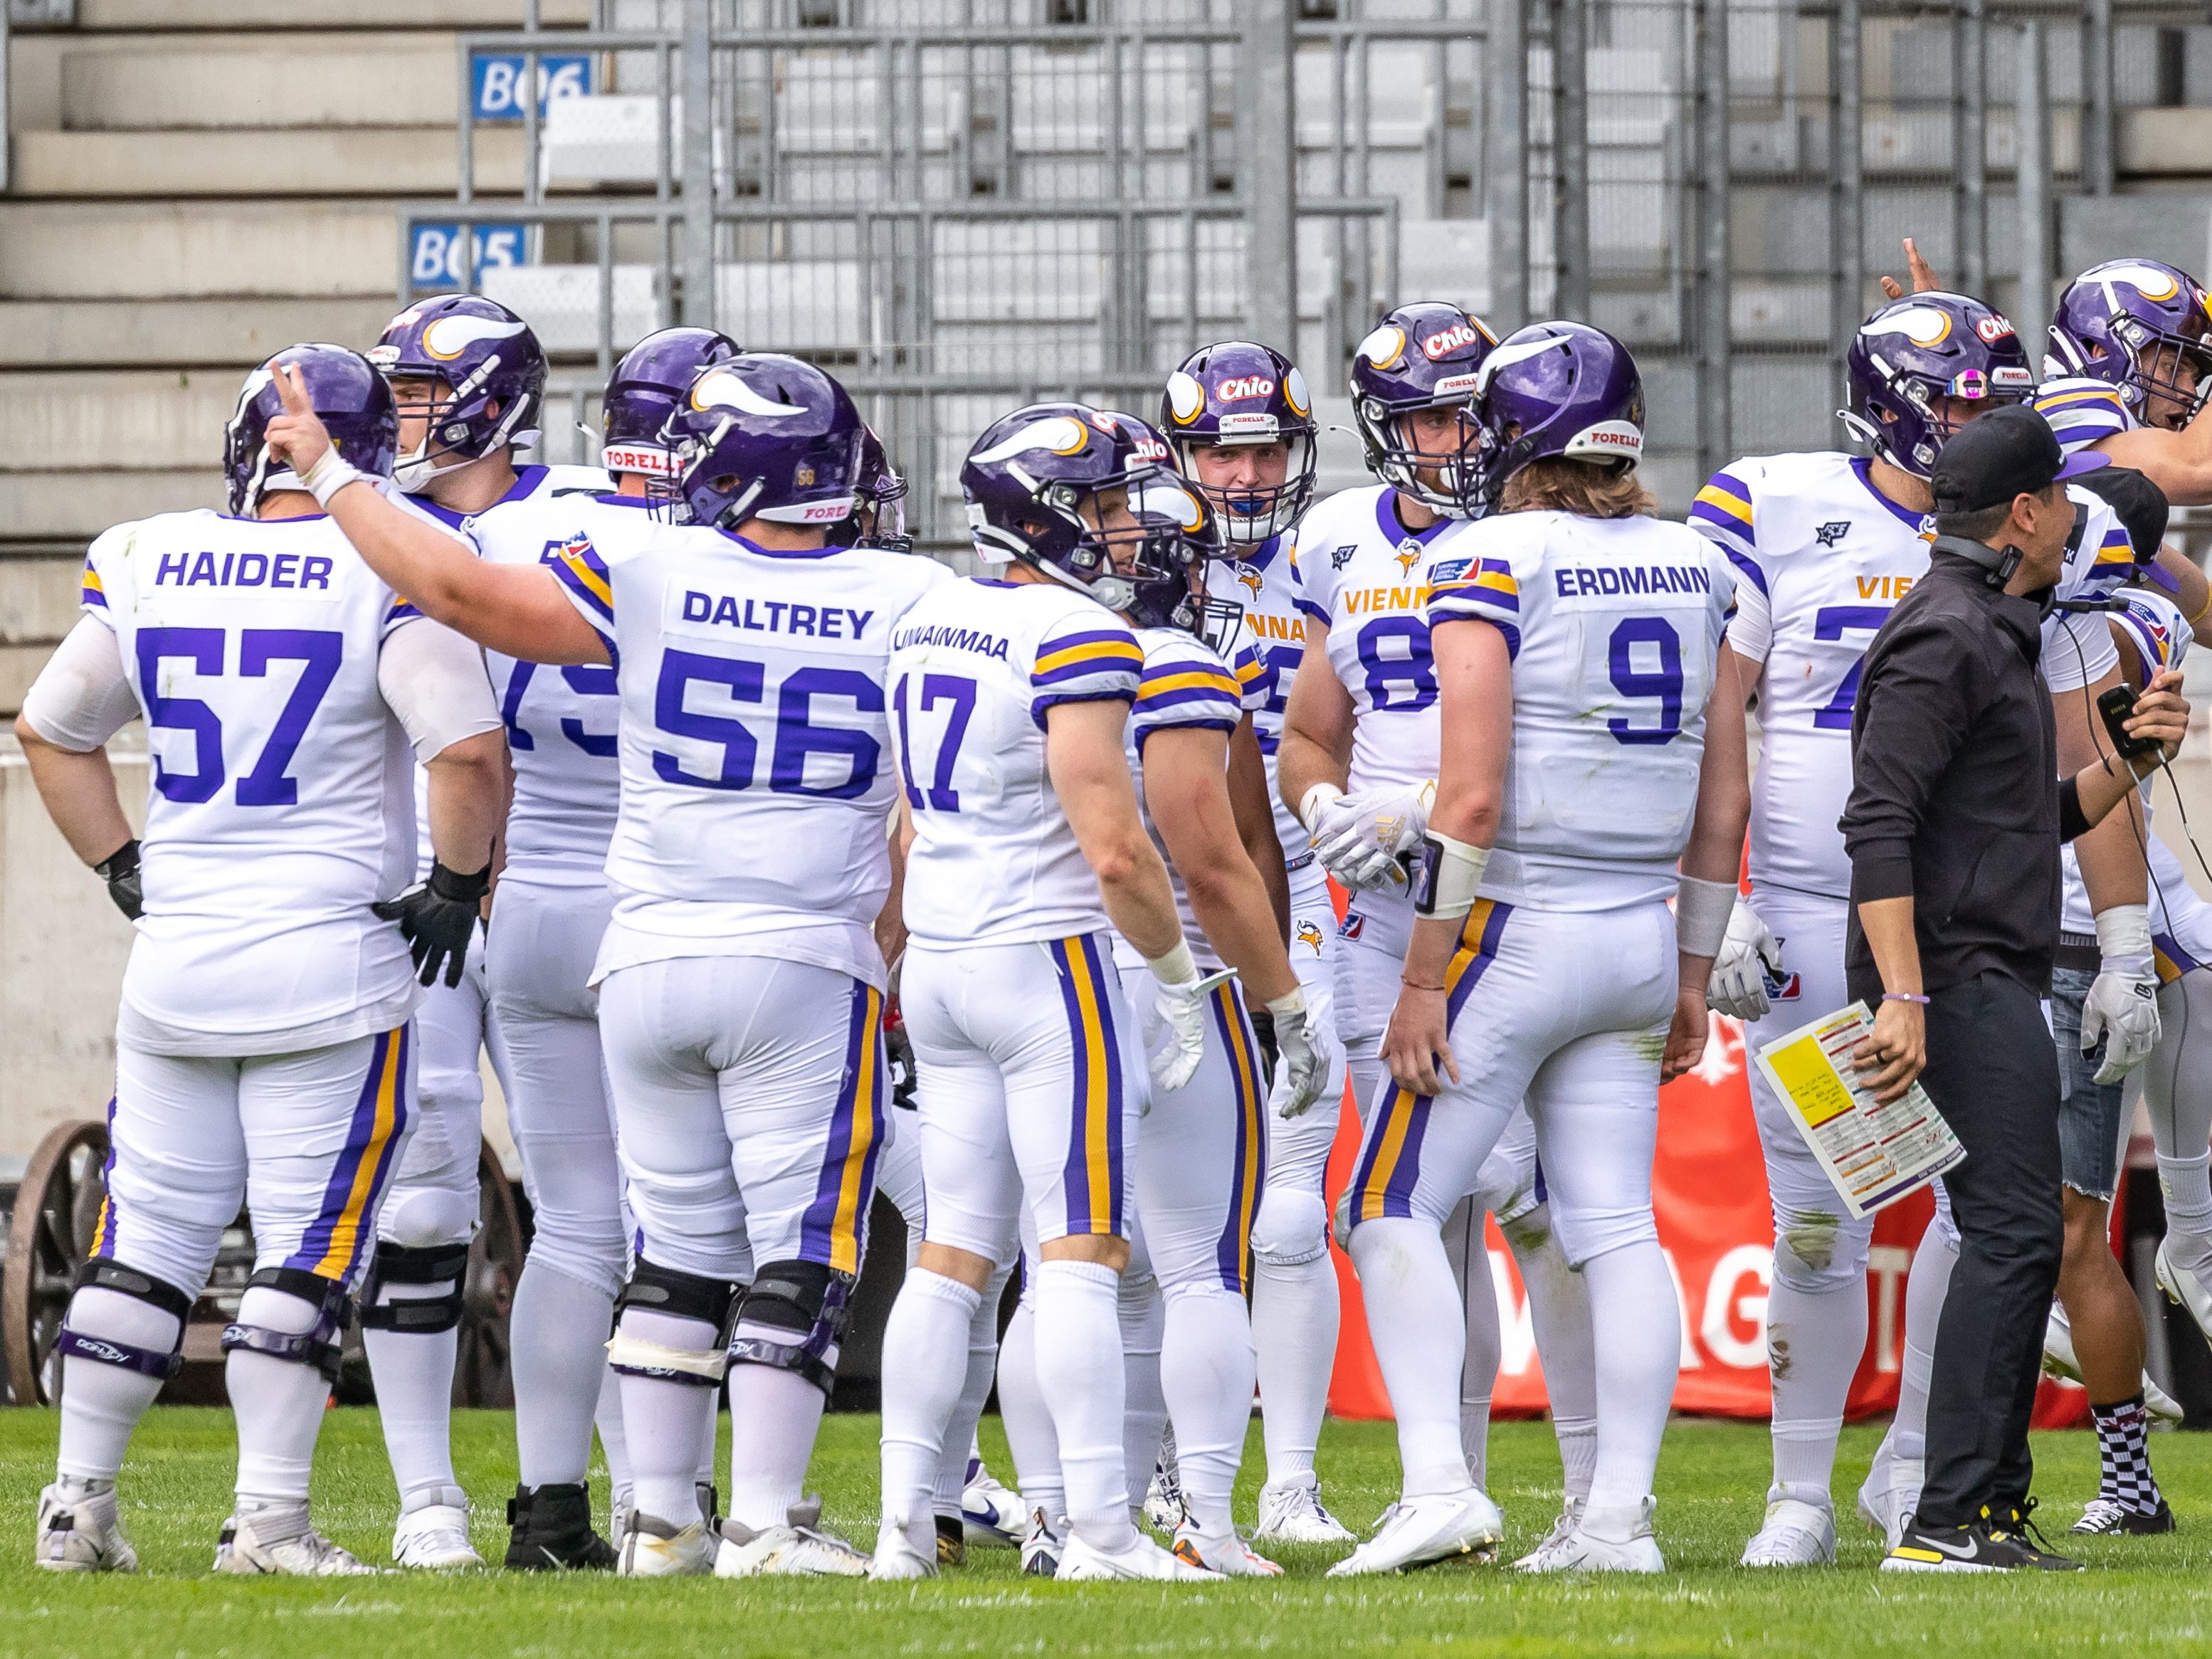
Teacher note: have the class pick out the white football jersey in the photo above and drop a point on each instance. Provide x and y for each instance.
(279, 804)
(757, 785)
(2083, 411)
(1822, 557)
(1613, 625)
(1274, 631)
(974, 666)
(1186, 686)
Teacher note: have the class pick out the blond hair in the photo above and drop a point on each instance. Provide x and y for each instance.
(1589, 489)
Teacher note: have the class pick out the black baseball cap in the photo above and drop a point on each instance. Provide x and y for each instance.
(1994, 457)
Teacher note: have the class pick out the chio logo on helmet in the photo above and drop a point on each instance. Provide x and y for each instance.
(1242, 386)
(1454, 338)
(1992, 328)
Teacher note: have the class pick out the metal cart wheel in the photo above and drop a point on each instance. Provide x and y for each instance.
(483, 1374)
(56, 1209)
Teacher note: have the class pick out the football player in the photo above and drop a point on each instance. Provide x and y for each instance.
(740, 982)
(1576, 639)
(1241, 422)
(264, 1050)
(1012, 695)
(469, 380)
(551, 908)
(1362, 715)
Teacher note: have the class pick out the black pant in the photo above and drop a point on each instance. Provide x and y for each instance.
(1994, 1075)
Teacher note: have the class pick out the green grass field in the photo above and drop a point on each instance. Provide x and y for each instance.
(2149, 1596)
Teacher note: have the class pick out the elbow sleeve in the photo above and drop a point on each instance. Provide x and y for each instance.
(81, 697)
(434, 680)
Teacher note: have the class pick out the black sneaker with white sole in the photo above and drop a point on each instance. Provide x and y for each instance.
(552, 1531)
(1987, 1545)
(2107, 1518)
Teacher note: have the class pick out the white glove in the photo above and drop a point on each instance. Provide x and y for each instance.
(1748, 954)
(1358, 838)
(2121, 1005)
(1309, 1056)
(1179, 1008)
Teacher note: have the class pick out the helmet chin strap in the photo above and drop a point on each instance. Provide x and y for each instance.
(411, 472)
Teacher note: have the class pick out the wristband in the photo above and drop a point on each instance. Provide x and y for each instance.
(330, 473)
(1449, 877)
(1319, 796)
(1290, 1003)
(2124, 940)
(1177, 966)
(1905, 996)
(1701, 914)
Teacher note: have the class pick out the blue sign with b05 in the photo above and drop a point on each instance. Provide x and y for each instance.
(497, 81)
(434, 251)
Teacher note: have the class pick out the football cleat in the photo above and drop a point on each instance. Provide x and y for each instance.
(84, 1536)
(1420, 1532)
(1609, 1541)
(992, 1516)
(239, 1548)
(436, 1538)
(1164, 1511)
(1140, 1558)
(552, 1529)
(2105, 1517)
(2185, 1287)
(1983, 1545)
(652, 1548)
(1041, 1548)
(1795, 1534)
(1230, 1556)
(1291, 1512)
(2059, 1361)
(951, 1542)
(1891, 1492)
(1562, 1527)
(896, 1556)
(788, 1551)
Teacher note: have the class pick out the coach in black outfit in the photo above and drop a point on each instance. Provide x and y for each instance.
(1954, 827)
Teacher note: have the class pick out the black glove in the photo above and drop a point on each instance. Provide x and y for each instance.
(437, 918)
(119, 870)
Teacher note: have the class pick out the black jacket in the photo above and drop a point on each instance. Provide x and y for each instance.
(1955, 801)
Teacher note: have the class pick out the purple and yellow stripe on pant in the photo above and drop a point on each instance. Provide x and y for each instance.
(2169, 960)
(1247, 1171)
(1390, 1160)
(1093, 1176)
(832, 1230)
(103, 1227)
(332, 1246)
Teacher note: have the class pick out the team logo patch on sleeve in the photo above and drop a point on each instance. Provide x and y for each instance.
(1833, 532)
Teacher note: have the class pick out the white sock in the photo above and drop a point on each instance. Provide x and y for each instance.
(1814, 1343)
(413, 1372)
(959, 1444)
(1295, 1315)
(1486, 1341)
(661, 1419)
(102, 1404)
(1416, 1319)
(1560, 1317)
(2187, 1185)
(1206, 1370)
(614, 1439)
(1637, 1322)
(1144, 1318)
(1027, 1419)
(558, 1330)
(774, 1415)
(1078, 1365)
(1925, 1285)
(926, 1363)
(278, 1404)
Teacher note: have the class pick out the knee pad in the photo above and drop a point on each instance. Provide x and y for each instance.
(1819, 1251)
(105, 1275)
(1291, 1228)
(402, 1264)
(654, 1289)
(792, 1316)
(1586, 1236)
(317, 1346)
(427, 1217)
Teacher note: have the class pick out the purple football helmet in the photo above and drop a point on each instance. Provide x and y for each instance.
(491, 365)
(1914, 350)
(1239, 394)
(352, 400)
(1034, 479)
(2135, 322)
(643, 392)
(765, 436)
(878, 516)
(1556, 389)
(1423, 355)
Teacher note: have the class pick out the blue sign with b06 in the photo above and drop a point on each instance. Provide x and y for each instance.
(434, 251)
(497, 81)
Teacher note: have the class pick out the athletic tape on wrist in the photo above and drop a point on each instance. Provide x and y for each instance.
(1446, 885)
(1701, 914)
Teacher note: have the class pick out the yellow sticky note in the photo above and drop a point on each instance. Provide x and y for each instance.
(1813, 1085)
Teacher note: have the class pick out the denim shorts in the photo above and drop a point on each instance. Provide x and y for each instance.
(2089, 1111)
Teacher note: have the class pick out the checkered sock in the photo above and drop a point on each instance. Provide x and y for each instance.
(2125, 1454)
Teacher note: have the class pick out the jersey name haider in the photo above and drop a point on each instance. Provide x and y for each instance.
(1613, 626)
(280, 804)
(1274, 631)
(757, 778)
(1822, 557)
(975, 669)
